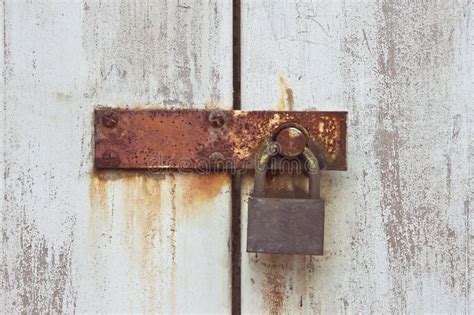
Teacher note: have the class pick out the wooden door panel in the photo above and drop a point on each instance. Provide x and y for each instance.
(75, 239)
(397, 235)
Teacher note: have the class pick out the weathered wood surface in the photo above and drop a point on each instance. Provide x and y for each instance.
(76, 240)
(398, 227)
(398, 224)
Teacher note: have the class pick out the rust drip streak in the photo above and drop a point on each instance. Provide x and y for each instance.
(274, 292)
(99, 218)
(142, 205)
(273, 283)
(286, 101)
(173, 231)
(198, 190)
(139, 204)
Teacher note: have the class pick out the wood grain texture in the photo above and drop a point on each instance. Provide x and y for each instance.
(398, 224)
(75, 240)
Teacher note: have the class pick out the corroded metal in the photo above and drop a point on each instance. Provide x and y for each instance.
(110, 119)
(285, 225)
(265, 152)
(292, 141)
(189, 139)
(110, 159)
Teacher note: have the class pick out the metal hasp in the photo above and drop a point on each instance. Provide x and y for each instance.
(285, 225)
(209, 139)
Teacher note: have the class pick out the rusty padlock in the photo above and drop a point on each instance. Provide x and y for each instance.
(286, 225)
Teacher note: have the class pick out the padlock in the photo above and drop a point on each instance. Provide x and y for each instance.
(286, 225)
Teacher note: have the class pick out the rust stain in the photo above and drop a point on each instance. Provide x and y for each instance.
(187, 139)
(173, 227)
(275, 268)
(274, 295)
(195, 191)
(274, 282)
(144, 219)
(213, 105)
(276, 286)
(142, 202)
(99, 225)
(98, 194)
(142, 196)
(285, 101)
(141, 193)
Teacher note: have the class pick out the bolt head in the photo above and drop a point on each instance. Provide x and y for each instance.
(110, 119)
(110, 159)
(292, 141)
(217, 118)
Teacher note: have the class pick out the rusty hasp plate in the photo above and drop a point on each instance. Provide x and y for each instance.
(206, 139)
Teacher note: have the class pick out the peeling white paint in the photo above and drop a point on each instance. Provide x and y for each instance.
(398, 224)
(78, 241)
(398, 233)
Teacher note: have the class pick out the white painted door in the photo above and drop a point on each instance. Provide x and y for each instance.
(398, 225)
(398, 228)
(78, 240)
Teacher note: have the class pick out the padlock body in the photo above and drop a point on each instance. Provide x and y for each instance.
(285, 226)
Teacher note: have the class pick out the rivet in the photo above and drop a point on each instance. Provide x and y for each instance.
(217, 118)
(110, 119)
(110, 159)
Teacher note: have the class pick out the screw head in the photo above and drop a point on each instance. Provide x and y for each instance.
(110, 159)
(110, 119)
(292, 141)
(217, 118)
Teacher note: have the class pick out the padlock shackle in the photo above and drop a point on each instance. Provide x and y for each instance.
(265, 152)
(314, 173)
(270, 148)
